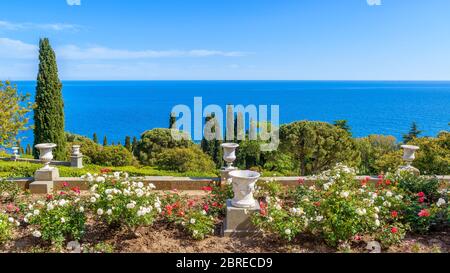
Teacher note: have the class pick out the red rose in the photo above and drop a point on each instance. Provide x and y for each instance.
(424, 213)
(421, 194)
(62, 193)
(49, 197)
(76, 190)
(317, 204)
(65, 184)
(207, 189)
(421, 199)
(394, 214)
(215, 204)
(301, 181)
(206, 207)
(357, 238)
(387, 182)
(394, 230)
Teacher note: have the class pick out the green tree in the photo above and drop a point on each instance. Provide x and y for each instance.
(212, 147)
(28, 150)
(134, 145)
(105, 141)
(317, 146)
(128, 143)
(153, 142)
(172, 120)
(413, 133)
(376, 154)
(184, 160)
(95, 138)
(49, 111)
(343, 124)
(13, 113)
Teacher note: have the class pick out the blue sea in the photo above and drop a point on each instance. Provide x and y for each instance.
(119, 108)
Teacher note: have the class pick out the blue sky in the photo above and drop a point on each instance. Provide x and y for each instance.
(229, 39)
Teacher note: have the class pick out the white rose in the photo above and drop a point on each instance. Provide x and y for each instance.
(63, 220)
(319, 218)
(109, 197)
(389, 194)
(377, 223)
(345, 194)
(93, 199)
(36, 212)
(131, 206)
(192, 221)
(11, 220)
(37, 234)
(100, 212)
(50, 207)
(81, 209)
(109, 212)
(287, 231)
(100, 179)
(440, 202)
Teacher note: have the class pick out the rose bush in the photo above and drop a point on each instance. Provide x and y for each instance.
(426, 201)
(58, 218)
(192, 215)
(7, 224)
(118, 200)
(8, 191)
(339, 209)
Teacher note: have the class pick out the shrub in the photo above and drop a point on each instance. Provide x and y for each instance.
(153, 142)
(426, 204)
(339, 208)
(120, 201)
(58, 218)
(93, 153)
(192, 215)
(184, 160)
(8, 191)
(374, 148)
(113, 156)
(317, 146)
(434, 154)
(6, 227)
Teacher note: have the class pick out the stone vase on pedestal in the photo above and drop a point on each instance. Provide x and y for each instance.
(409, 156)
(15, 155)
(44, 177)
(229, 156)
(243, 204)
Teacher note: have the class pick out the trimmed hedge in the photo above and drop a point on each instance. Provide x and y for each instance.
(26, 169)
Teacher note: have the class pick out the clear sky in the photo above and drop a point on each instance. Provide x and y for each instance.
(229, 39)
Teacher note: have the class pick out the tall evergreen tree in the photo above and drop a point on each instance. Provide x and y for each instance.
(128, 143)
(49, 111)
(28, 150)
(172, 120)
(413, 133)
(134, 143)
(95, 138)
(212, 147)
(105, 141)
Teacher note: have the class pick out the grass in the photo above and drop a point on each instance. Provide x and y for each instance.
(26, 169)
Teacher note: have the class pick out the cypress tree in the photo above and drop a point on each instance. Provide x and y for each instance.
(172, 120)
(95, 138)
(134, 145)
(413, 133)
(105, 141)
(49, 111)
(128, 143)
(28, 150)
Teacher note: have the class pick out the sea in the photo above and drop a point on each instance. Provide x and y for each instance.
(117, 109)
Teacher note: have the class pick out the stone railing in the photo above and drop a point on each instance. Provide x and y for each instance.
(76, 158)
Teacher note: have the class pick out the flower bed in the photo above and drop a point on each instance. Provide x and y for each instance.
(120, 213)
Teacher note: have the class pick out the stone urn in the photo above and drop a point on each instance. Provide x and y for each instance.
(409, 156)
(229, 153)
(409, 153)
(76, 150)
(243, 187)
(45, 154)
(15, 153)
